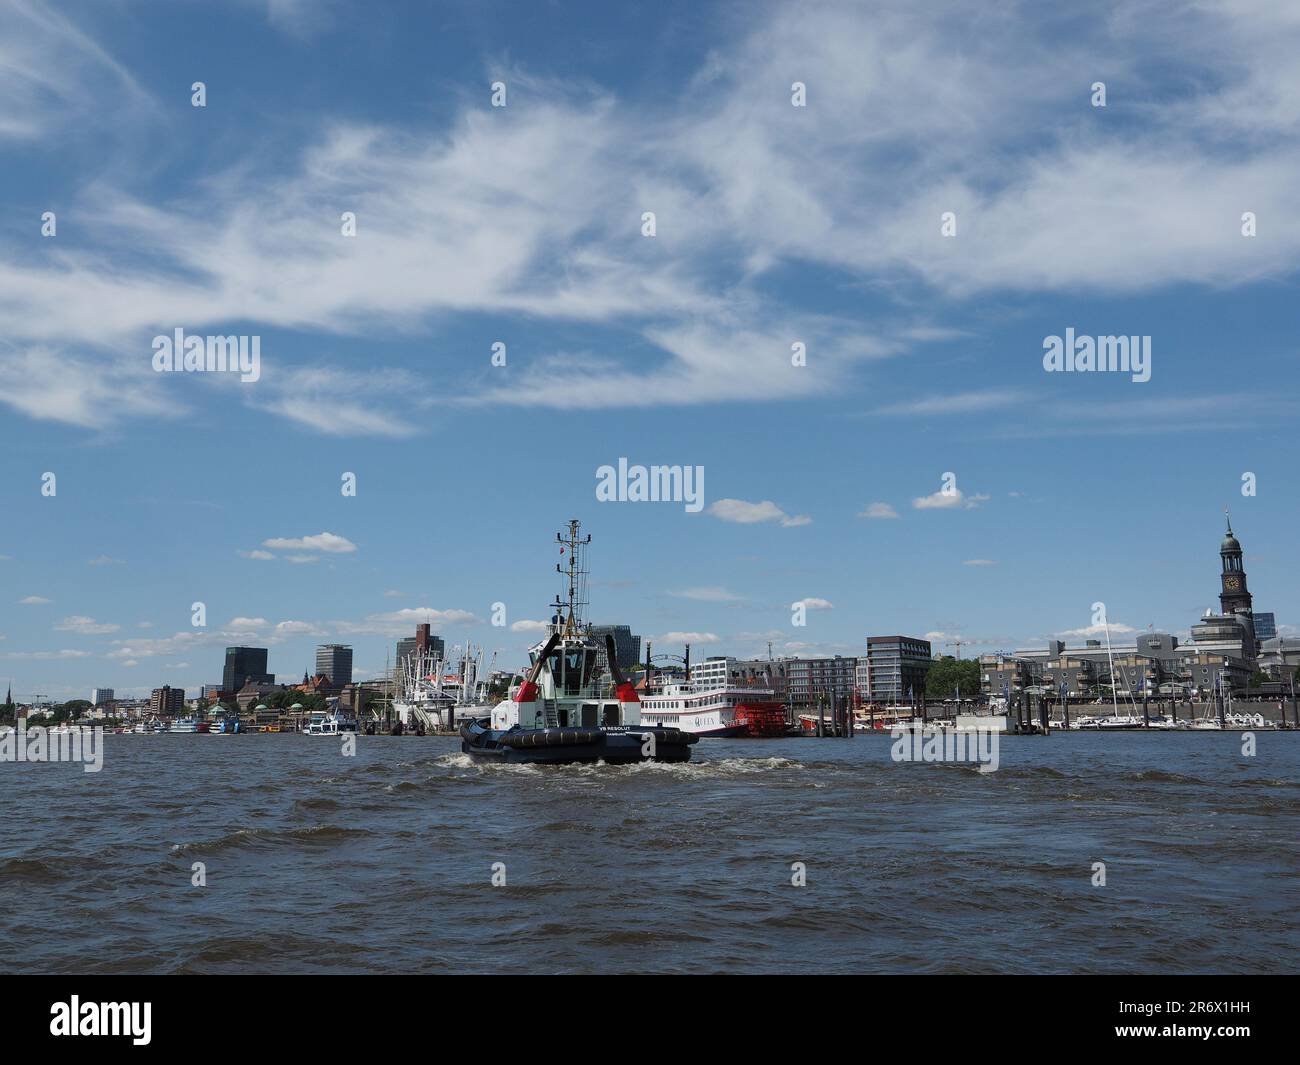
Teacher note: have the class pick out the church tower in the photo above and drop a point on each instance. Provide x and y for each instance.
(1235, 596)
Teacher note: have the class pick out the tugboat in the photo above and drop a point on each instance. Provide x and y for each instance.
(563, 711)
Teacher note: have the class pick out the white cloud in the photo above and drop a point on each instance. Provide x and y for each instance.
(1093, 631)
(744, 513)
(961, 403)
(686, 637)
(813, 603)
(35, 600)
(344, 402)
(300, 18)
(45, 656)
(878, 510)
(183, 642)
(979, 562)
(298, 628)
(252, 624)
(403, 622)
(707, 594)
(1044, 187)
(49, 68)
(85, 626)
(529, 626)
(258, 554)
(325, 541)
(954, 500)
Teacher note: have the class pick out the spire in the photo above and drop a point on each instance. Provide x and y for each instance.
(1228, 518)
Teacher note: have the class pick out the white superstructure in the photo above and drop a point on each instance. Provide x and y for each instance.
(709, 706)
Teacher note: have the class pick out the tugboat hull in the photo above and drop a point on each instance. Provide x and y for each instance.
(619, 745)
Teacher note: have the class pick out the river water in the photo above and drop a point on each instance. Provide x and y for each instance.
(383, 862)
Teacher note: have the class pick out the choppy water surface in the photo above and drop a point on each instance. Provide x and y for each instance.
(383, 862)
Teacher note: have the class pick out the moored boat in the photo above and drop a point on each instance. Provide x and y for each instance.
(720, 711)
(326, 723)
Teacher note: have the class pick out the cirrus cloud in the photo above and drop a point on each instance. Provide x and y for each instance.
(85, 626)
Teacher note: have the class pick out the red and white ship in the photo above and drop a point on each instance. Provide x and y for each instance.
(723, 711)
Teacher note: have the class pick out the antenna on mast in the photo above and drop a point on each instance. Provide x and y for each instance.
(569, 614)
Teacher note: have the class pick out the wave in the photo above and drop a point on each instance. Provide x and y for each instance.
(32, 871)
(318, 835)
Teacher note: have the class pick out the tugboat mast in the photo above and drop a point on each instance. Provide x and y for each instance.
(569, 614)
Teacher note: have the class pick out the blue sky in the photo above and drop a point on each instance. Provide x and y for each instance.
(522, 224)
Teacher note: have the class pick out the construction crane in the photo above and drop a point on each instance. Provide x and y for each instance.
(958, 644)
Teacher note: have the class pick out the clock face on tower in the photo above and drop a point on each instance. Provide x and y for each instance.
(1231, 584)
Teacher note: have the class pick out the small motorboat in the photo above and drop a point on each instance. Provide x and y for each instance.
(322, 723)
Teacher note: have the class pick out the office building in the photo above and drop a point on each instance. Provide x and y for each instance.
(896, 668)
(761, 673)
(712, 673)
(627, 646)
(1279, 657)
(421, 644)
(810, 681)
(101, 696)
(167, 700)
(334, 660)
(242, 665)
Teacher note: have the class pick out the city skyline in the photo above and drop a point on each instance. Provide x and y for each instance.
(914, 467)
(706, 648)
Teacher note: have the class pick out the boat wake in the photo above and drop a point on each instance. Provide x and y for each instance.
(723, 767)
(464, 761)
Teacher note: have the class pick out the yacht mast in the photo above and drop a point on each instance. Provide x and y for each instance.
(1111, 662)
